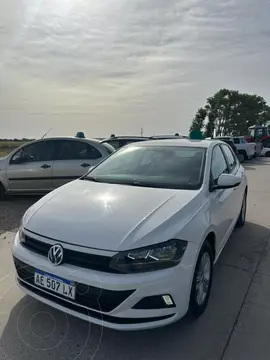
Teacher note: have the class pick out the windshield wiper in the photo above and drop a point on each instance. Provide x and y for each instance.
(91, 178)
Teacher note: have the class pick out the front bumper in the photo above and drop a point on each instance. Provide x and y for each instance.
(120, 315)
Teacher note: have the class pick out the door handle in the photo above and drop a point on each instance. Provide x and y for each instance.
(45, 166)
(85, 165)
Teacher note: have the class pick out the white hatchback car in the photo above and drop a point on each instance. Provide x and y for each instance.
(131, 245)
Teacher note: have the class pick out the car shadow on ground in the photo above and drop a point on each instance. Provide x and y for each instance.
(250, 165)
(34, 330)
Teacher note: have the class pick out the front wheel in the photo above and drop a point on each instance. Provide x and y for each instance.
(242, 216)
(202, 281)
(241, 157)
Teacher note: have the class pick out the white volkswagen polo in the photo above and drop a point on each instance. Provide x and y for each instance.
(131, 245)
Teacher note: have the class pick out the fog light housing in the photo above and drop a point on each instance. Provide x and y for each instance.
(167, 300)
(155, 302)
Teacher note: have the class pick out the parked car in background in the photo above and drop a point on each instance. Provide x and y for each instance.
(231, 143)
(246, 150)
(131, 245)
(265, 152)
(119, 141)
(43, 165)
(165, 137)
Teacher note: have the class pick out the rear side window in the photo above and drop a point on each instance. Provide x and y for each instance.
(40, 151)
(114, 143)
(229, 156)
(219, 165)
(76, 150)
(236, 140)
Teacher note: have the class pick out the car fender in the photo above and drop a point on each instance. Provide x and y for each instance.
(198, 226)
(3, 174)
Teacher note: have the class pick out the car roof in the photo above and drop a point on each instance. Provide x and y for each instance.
(125, 137)
(165, 137)
(180, 142)
(224, 137)
(67, 138)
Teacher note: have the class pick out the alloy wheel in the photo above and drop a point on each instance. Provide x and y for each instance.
(203, 278)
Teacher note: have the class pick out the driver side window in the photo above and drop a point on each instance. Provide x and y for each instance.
(219, 165)
(40, 151)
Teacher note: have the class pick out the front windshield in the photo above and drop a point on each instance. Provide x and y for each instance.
(172, 167)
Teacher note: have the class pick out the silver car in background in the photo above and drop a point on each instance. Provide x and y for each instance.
(43, 165)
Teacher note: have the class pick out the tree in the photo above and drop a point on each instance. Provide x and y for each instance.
(229, 112)
(198, 121)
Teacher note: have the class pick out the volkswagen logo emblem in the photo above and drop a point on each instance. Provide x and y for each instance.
(56, 255)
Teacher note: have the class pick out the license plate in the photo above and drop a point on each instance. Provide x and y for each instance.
(56, 284)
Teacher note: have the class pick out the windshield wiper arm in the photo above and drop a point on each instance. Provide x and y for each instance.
(91, 178)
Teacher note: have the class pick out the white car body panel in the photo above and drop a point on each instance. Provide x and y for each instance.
(108, 217)
(102, 219)
(265, 152)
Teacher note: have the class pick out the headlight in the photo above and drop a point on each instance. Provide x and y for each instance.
(21, 235)
(150, 258)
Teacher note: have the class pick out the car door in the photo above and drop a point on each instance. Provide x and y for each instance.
(72, 159)
(221, 201)
(30, 168)
(235, 169)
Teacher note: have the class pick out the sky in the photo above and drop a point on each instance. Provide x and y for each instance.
(116, 66)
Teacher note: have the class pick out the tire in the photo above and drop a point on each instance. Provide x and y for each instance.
(255, 155)
(2, 192)
(242, 216)
(267, 154)
(199, 300)
(244, 153)
(241, 157)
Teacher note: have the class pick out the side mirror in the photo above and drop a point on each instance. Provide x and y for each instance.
(227, 181)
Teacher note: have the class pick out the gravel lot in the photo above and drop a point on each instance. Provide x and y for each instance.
(12, 210)
(235, 325)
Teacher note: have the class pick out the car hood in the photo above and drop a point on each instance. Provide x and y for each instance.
(108, 216)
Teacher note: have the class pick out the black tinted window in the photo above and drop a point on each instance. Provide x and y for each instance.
(76, 150)
(236, 140)
(40, 151)
(218, 165)
(229, 156)
(114, 143)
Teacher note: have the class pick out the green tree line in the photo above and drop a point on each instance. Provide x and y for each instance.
(229, 112)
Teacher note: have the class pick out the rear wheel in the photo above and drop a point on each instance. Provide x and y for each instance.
(242, 216)
(267, 154)
(202, 281)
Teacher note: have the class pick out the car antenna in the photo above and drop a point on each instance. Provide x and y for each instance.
(46, 133)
